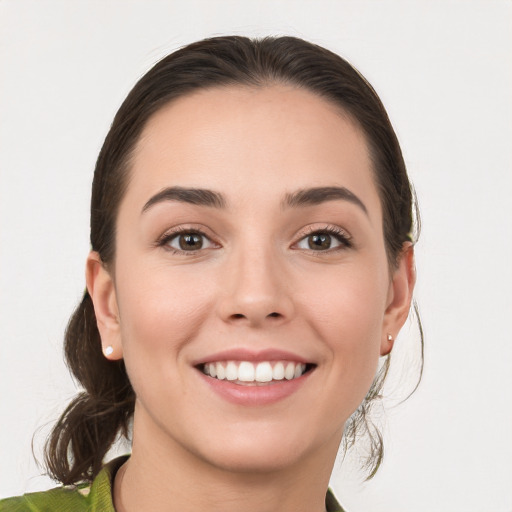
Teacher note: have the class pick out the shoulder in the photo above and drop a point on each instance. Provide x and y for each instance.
(331, 504)
(93, 497)
(58, 499)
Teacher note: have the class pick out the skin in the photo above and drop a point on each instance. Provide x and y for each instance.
(255, 284)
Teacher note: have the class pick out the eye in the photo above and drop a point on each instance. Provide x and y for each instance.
(324, 240)
(188, 241)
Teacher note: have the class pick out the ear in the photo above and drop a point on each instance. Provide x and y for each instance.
(100, 286)
(399, 298)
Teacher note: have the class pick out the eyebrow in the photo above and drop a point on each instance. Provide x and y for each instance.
(303, 197)
(318, 195)
(197, 196)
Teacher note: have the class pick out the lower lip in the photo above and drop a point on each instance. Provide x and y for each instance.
(256, 394)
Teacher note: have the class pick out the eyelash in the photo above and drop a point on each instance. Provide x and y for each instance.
(167, 237)
(339, 234)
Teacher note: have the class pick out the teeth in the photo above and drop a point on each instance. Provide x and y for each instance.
(289, 371)
(221, 372)
(245, 371)
(263, 372)
(231, 371)
(278, 371)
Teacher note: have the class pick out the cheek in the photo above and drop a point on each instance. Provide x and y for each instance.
(159, 310)
(351, 299)
(347, 311)
(160, 313)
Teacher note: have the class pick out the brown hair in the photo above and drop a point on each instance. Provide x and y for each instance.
(90, 424)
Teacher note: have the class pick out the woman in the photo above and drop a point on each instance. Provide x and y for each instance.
(252, 259)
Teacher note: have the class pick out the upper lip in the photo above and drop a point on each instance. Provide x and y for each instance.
(243, 354)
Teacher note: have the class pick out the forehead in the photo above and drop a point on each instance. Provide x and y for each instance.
(251, 141)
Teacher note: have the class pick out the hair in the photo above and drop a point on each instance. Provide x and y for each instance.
(91, 423)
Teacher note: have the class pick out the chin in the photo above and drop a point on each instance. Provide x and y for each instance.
(259, 453)
(254, 460)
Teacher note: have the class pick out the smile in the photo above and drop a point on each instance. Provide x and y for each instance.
(248, 373)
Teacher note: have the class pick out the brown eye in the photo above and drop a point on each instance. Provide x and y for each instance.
(319, 241)
(325, 240)
(190, 241)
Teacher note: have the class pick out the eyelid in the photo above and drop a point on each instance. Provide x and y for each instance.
(340, 234)
(172, 233)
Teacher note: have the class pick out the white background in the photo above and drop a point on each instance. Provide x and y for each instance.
(444, 72)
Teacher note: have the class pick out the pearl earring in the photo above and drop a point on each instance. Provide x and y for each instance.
(109, 350)
(390, 338)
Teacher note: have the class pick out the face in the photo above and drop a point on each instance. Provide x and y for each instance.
(250, 295)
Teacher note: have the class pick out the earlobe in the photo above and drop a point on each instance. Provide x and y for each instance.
(399, 298)
(387, 345)
(100, 286)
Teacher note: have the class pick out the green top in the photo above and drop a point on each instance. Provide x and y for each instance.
(95, 497)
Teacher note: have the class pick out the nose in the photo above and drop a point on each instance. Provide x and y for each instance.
(256, 290)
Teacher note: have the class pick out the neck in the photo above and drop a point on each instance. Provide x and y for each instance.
(161, 475)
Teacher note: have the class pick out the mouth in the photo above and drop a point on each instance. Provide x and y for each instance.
(249, 378)
(262, 373)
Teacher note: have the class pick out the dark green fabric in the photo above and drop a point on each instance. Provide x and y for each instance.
(96, 497)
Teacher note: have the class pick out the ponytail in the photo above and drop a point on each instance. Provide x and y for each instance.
(88, 427)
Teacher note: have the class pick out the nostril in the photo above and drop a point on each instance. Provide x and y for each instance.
(274, 315)
(238, 315)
